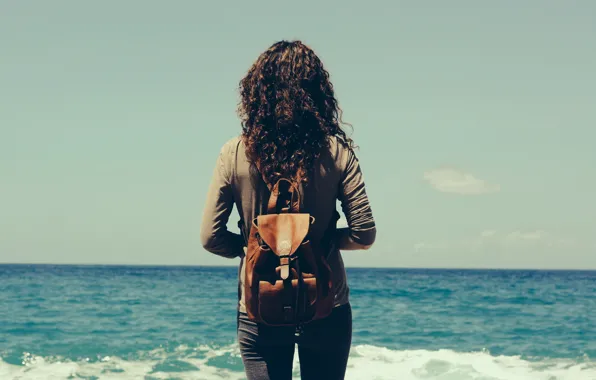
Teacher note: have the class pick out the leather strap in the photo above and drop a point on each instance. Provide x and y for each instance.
(300, 294)
(284, 262)
(273, 206)
(289, 309)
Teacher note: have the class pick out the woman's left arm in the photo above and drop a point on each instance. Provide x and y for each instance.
(215, 236)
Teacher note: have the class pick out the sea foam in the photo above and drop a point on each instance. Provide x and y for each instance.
(366, 363)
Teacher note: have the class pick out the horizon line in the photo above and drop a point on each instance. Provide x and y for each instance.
(236, 266)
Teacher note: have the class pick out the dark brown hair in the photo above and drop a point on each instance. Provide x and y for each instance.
(288, 111)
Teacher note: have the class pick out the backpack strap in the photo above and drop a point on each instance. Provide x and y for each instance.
(279, 195)
(285, 197)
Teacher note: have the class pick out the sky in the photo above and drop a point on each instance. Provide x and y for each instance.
(475, 122)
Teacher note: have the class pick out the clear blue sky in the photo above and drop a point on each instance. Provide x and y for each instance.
(476, 122)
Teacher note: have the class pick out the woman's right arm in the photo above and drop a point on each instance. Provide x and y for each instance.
(361, 230)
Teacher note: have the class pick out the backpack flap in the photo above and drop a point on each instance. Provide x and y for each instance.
(284, 233)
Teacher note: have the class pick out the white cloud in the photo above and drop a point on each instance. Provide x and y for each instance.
(526, 235)
(342, 222)
(449, 180)
(488, 233)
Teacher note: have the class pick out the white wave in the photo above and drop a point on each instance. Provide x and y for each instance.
(366, 363)
(378, 363)
(114, 368)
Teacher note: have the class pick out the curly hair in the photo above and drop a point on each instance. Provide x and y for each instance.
(288, 111)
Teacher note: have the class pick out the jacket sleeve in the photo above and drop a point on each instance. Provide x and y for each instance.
(355, 203)
(215, 236)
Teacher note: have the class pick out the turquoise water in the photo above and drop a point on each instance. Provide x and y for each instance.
(102, 322)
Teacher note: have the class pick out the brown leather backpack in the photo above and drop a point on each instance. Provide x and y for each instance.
(288, 280)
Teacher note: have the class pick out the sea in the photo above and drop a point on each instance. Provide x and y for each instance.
(132, 322)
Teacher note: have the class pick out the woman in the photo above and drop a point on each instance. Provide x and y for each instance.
(291, 129)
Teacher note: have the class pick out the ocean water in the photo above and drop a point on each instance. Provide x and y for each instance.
(102, 322)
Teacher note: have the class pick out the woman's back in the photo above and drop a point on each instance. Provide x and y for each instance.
(337, 176)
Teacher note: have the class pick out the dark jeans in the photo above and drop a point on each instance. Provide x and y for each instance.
(323, 348)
